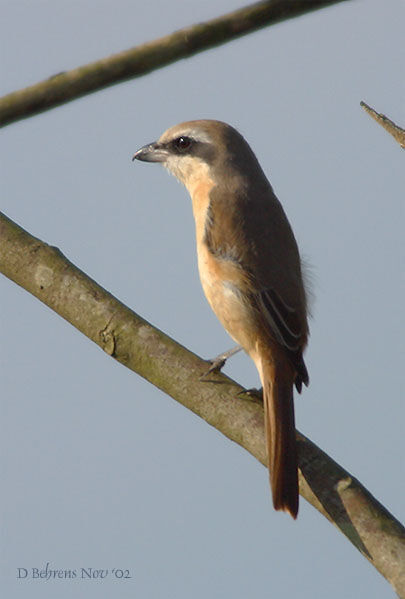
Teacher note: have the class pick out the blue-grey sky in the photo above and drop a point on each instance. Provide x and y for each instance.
(100, 469)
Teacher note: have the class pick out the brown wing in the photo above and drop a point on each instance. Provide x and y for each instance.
(250, 228)
(282, 319)
(286, 327)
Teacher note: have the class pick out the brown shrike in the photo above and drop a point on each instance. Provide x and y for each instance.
(250, 271)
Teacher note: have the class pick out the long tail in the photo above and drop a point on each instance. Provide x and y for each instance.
(278, 384)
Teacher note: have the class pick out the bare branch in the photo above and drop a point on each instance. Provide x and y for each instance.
(397, 133)
(135, 62)
(48, 275)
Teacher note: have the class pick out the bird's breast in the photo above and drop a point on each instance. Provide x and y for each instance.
(222, 282)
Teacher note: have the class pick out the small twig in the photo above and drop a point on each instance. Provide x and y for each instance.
(135, 62)
(397, 132)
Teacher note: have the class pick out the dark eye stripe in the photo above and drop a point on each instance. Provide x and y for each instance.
(183, 143)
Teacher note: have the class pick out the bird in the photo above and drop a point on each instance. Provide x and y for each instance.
(251, 273)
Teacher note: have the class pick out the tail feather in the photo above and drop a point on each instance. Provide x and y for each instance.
(280, 437)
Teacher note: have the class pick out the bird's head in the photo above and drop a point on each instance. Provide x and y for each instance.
(201, 150)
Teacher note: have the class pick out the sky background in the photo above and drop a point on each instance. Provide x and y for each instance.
(99, 469)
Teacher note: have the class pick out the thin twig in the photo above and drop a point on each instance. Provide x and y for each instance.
(397, 132)
(69, 85)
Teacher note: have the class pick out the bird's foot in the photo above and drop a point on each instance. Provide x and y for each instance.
(253, 394)
(219, 362)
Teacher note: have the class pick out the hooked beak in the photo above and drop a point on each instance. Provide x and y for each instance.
(153, 152)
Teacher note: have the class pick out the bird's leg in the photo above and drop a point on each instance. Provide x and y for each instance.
(218, 362)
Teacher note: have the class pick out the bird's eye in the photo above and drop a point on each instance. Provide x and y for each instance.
(182, 143)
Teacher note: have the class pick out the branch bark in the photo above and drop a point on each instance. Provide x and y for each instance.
(48, 275)
(135, 62)
(397, 132)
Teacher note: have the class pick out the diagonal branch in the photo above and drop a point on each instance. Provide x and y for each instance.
(47, 274)
(397, 132)
(135, 62)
